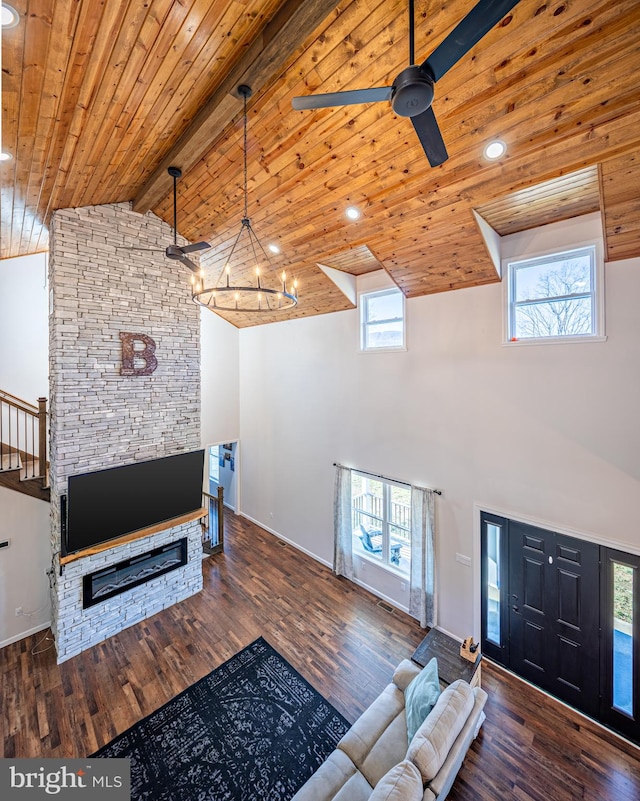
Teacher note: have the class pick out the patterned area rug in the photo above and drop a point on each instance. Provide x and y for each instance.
(253, 729)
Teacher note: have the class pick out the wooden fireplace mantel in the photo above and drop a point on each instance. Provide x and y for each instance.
(134, 535)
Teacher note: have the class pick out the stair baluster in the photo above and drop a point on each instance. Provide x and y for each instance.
(23, 445)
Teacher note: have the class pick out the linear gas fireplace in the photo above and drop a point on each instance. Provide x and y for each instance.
(131, 572)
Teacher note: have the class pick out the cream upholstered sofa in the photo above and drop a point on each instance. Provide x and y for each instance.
(374, 761)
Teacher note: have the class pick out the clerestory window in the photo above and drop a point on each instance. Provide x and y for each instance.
(557, 296)
(382, 320)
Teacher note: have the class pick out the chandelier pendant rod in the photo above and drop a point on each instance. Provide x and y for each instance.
(245, 94)
(258, 297)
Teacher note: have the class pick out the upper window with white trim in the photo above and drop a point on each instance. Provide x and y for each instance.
(557, 296)
(382, 320)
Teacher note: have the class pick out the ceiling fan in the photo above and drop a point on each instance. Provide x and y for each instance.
(175, 251)
(411, 93)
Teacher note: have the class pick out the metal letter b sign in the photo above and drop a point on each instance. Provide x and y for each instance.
(131, 354)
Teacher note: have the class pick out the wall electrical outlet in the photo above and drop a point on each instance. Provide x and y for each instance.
(18, 611)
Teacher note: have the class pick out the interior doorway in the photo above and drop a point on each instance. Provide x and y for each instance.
(223, 472)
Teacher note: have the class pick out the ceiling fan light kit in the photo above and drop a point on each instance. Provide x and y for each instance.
(412, 92)
(266, 291)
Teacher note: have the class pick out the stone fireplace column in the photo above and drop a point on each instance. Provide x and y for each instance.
(105, 416)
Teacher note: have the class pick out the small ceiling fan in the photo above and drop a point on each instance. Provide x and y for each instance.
(175, 251)
(411, 93)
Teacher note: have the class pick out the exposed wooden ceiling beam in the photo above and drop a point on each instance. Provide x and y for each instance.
(262, 61)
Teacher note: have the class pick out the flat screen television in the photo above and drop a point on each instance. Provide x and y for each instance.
(107, 504)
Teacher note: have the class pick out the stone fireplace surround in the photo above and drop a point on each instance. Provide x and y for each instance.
(100, 418)
(129, 573)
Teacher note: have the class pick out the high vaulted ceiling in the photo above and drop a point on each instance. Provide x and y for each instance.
(98, 98)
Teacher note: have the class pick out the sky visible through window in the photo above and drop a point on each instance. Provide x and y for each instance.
(561, 277)
(383, 320)
(384, 307)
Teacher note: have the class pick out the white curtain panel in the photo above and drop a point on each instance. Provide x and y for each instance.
(422, 590)
(342, 526)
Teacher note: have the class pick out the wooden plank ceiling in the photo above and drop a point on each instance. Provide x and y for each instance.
(99, 98)
(560, 198)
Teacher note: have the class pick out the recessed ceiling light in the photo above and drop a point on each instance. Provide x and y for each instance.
(495, 150)
(353, 213)
(274, 248)
(4, 156)
(9, 16)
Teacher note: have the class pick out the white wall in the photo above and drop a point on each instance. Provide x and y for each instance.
(220, 392)
(549, 432)
(24, 521)
(219, 379)
(24, 333)
(24, 370)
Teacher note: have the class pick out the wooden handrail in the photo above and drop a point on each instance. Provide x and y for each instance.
(18, 403)
(23, 435)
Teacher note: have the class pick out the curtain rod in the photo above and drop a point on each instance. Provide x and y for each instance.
(387, 478)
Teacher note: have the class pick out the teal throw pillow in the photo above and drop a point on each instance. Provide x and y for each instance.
(421, 696)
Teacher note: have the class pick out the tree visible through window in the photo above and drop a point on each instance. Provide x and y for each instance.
(554, 296)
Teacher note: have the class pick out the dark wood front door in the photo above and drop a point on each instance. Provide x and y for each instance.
(554, 613)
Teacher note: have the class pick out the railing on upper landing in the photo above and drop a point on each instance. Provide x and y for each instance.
(23, 436)
(213, 524)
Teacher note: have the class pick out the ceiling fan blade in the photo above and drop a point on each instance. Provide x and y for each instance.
(426, 127)
(133, 247)
(195, 246)
(189, 263)
(479, 21)
(348, 98)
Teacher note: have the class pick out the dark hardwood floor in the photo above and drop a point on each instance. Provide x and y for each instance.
(530, 748)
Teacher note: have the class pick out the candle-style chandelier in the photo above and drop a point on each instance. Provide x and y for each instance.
(260, 289)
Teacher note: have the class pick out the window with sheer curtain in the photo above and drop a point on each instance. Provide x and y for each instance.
(381, 521)
(391, 523)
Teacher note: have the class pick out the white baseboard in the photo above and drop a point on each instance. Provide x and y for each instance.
(381, 595)
(449, 634)
(295, 545)
(28, 633)
(287, 540)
